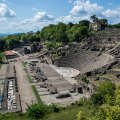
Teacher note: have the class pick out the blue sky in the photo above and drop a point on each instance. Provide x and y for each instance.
(26, 15)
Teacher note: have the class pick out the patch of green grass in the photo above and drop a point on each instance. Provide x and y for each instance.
(71, 113)
(117, 69)
(0, 65)
(44, 50)
(103, 51)
(30, 79)
(100, 81)
(26, 70)
(37, 95)
(68, 113)
(109, 76)
(23, 64)
(14, 116)
(45, 55)
(55, 57)
(94, 84)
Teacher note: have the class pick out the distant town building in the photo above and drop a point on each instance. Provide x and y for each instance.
(96, 26)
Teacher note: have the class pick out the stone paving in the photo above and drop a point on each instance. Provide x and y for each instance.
(24, 87)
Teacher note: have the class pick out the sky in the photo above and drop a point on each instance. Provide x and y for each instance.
(18, 16)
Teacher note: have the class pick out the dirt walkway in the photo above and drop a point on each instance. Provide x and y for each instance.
(24, 87)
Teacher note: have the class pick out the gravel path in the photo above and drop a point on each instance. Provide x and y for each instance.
(24, 87)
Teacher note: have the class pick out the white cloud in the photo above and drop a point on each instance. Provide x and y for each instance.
(5, 11)
(110, 3)
(2, 19)
(82, 7)
(37, 22)
(34, 9)
(40, 17)
(70, 18)
(111, 13)
(6, 2)
(70, 1)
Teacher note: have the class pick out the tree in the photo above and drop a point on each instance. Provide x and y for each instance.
(32, 38)
(0, 58)
(93, 18)
(103, 22)
(69, 25)
(63, 37)
(2, 44)
(38, 32)
(23, 38)
(84, 23)
(37, 38)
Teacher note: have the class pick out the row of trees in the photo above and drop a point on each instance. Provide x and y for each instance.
(65, 32)
(59, 33)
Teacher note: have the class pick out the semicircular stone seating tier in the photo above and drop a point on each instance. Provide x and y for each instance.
(84, 61)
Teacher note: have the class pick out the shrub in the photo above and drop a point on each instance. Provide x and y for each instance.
(36, 111)
(108, 113)
(106, 88)
(81, 102)
(80, 116)
(105, 94)
(96, 99)
(55, 108)
(85, 80)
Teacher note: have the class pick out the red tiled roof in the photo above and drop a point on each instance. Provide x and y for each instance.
(94, 23)
(9, 52)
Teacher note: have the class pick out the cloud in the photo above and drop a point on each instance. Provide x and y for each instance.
(2, 19)
(35, 9)
(70, 1)
(7, 2)
(5, 11)
(110, 3)
(39, 17)
(111, 13)
(70, 18)
(81, 7)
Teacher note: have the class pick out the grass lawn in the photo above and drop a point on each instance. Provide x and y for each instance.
(71, 113)
(94, 84)
(37, 95)
(117, 69)
(55, 57)
(109, 76)
(30, 79)
(26, 70)
(100, 81)
(44, 50)
(23, 64)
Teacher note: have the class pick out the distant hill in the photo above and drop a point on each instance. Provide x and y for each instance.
(6, 34)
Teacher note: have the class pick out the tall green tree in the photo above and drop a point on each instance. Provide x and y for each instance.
(103, 22)
(32, 38)
(93, 18)
(23, 38)
(84, 23)
(38, 32)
